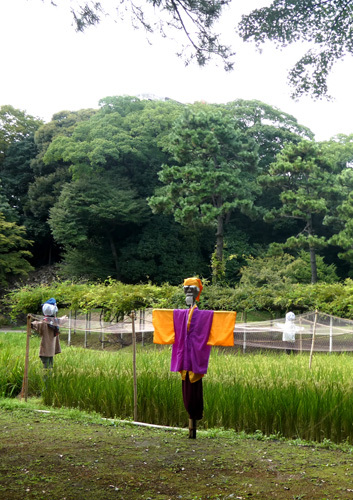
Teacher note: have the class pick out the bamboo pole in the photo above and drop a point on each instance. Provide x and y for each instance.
(192, 428)
(313, 341)
(244, 334)
(134, 363)
(24, 391)
(69, 332)
(102, 327)
(300, 337)
(331, 336)
(142, 326)
(192, 421)
(102, 336)
(86, 331)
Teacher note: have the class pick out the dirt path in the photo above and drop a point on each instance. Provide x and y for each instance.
(48, 456)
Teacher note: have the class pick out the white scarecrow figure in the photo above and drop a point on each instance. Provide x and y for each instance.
(289, 328)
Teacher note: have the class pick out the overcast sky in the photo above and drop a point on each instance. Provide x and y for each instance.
(47, 67)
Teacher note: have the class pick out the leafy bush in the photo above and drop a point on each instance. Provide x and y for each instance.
(116, 299)
(113, 297)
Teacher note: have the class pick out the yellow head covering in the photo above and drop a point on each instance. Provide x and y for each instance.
(194, 282)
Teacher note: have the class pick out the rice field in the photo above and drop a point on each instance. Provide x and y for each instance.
(270, 393)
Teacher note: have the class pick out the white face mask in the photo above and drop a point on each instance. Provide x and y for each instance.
(191, 292)
(49, 309)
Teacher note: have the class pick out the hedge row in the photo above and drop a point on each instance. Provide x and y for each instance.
(117, 299)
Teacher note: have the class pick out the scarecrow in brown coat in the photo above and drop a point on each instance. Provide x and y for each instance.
(48, 329)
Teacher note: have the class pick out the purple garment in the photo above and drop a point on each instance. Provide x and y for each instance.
(190, 350)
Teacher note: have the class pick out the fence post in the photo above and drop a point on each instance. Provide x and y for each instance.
(69, 332)
(300, 337)
(313, 341)
(142, 326)
(244, 335)
(24, 391)
(134, 363)
(86, 327)
(331, 334)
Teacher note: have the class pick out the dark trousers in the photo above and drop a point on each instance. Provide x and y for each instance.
(193, 398)
(47, 361)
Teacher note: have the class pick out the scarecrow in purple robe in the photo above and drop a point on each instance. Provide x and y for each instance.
(192, 333)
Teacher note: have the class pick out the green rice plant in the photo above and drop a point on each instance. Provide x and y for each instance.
(278, 394)
(274, 394)
(11, 364)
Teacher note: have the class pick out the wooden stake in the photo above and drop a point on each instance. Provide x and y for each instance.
(313, 341)
(134, 363)
(192, 428)
(69, 333)
(86, 331)
(24, 391)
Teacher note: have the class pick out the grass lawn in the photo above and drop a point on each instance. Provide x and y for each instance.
(62, 454)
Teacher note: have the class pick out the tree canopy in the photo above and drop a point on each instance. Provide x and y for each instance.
(213, 173)
(15, 125)
(79, 189)
(13, 253)
(196, 19)
(326, 25)
(306, 180)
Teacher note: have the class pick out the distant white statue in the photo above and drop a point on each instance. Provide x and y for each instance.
(289, 328)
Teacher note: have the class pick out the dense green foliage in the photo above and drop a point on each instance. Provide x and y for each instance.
(13, 252)
(214, 174)
(113, 297)
(306, 179)
(264, 287)
(15, 125)
(229, 182)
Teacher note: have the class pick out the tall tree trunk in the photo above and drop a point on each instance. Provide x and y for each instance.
(313, 265)
(115, 255)
(219, 238)
(312, 253)
(49, 255)
(217, 258)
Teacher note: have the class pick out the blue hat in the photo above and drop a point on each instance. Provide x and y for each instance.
(51, 301)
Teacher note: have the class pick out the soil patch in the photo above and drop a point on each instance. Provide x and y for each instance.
(48, 456)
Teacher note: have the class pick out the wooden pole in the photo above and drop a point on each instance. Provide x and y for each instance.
(192, 428)
(331, 336)
(102, 336)
(69, 332)
(313, 341)
(86, 329)
(134, 363)
(244, 334)
(24, 391)
(300, 337)
(192, 421)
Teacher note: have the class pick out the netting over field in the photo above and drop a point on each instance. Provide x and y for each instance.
(331, 334)
(108, 332)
